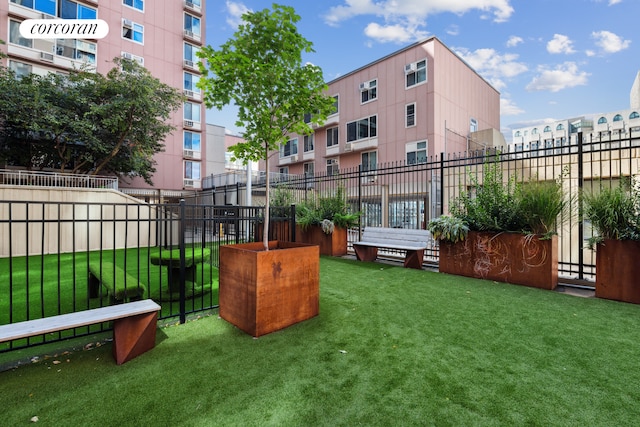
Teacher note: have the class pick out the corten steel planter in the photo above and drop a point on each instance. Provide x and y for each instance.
(618, 270)
(264, 291)
(334, 244)
(503, 257)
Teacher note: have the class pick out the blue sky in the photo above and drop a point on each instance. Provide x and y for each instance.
(550, 59)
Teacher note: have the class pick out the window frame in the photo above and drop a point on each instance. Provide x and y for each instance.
(419, 71)
(371, 89)
(184, 141)
(358, 127)
(411, 116)
(133, 4)
(337, 136)
(191, 169)
(135, 29)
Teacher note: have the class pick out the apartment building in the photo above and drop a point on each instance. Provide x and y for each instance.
(420, 101)
(596, 127)
(163, 36)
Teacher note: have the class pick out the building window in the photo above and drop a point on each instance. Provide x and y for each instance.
(46, 6)
(617, 118)
(369, 161)
(192, 112)
(20, 68)
(473, 125)
(534, 131)
(284, 170)
(72, 10)
(417, 153)
(191, 53)
(80, 50)
(290, 148)
(368, 91)
(132, 31)
(136, 4)
(191, 170)
(308, 143)
(336, 105)
(560, 127)
(15, 37)
(333, 166)
(309, 169)
(602, 120)
(410, 115)
(192, 24)
(517, 134)
(634, 115)
(416, 73)
(547, 129)
(362, 129)
(332, 137)
(191, 141)
(191, 82)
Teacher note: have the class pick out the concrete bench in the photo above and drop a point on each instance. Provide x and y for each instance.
(413, 241)
(134, 326)
(120, 285)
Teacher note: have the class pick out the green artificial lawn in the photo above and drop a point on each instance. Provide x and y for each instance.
(391, 346)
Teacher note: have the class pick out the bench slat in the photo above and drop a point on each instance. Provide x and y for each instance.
(74, 320)
(391, 245)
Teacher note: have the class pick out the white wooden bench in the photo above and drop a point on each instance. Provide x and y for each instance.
(134, 326)
(413, 241)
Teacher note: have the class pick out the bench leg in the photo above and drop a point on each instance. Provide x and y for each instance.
(366, 253)
(94, 286)
(414, 259)
(133, 336)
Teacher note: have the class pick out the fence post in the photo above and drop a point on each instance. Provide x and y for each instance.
(442, 183)
(292, 223)
(580, 221)
(183, 317)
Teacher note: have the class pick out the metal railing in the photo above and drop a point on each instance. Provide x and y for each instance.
(56, 179)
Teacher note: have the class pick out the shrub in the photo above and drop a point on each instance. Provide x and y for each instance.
(613, 213)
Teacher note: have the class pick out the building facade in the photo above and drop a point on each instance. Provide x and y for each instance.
(596, 127)
(420, 101)
(164, 37)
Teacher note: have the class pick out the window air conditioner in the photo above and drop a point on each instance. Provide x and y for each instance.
(188, 153)
(188, 123)
(127, 55)
(347, 147)
(364, 86)
(188, 33)
(409, 68)
(188, 93)
(189, 4)
(188, 63)
(188, 183)
(127, 23)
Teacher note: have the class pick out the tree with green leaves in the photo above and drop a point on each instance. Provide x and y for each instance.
(260, 70)
(86, 122)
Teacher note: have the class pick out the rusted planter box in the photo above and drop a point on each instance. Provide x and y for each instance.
(618, 270)
(334, 244)
(264, 291)
(503, 257)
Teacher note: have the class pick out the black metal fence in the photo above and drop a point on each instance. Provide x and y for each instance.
(46, 249)
(408, 195)
(169, 252)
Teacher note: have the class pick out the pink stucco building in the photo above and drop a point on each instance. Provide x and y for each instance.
(163, 36)
(420, 101)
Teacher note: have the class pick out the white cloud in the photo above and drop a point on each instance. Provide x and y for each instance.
(235, 10)
(509, 108)
(514, 41)
(612, 2)
(492, 65)
(412, 14)
(561, 77)
(560, 44)
(453, 30)
(610, 42)
(393, 33)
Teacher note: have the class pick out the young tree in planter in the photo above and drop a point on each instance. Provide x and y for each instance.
(261, 71)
